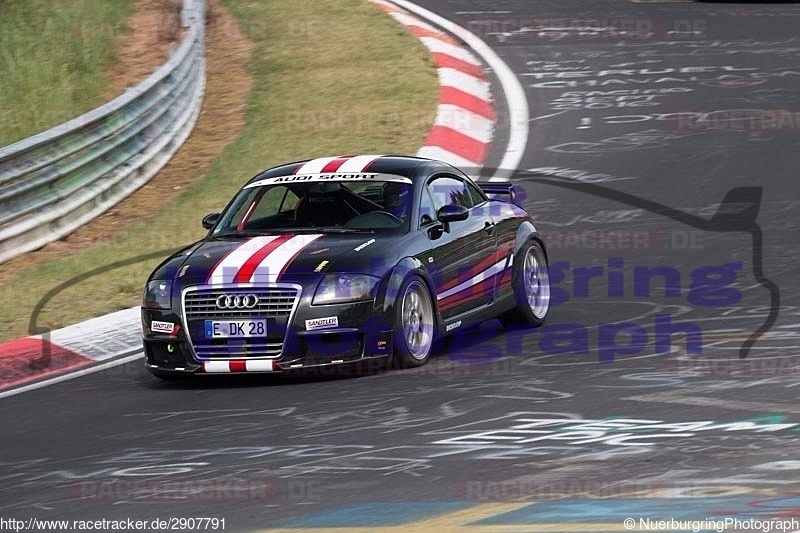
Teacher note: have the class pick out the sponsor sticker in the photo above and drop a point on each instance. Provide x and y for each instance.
(329, 176)
(162, 327)
(454, 325)
(364, 245)
(321, 266)
(321, 323)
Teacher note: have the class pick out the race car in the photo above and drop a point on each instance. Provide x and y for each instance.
(339, 260)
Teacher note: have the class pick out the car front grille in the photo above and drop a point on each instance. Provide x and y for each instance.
(276, 304)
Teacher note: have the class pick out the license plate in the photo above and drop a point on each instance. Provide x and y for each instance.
(225, 329)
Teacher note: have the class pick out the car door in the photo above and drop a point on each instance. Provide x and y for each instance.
(463, 253)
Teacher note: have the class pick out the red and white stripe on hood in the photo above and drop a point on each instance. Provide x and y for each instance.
(260, 259)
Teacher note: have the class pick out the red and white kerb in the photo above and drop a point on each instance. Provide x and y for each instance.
(262, 259)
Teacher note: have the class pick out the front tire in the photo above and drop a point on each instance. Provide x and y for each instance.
(531, 287)
(414, 324)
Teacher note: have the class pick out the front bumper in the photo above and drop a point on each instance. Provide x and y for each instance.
(361, 334)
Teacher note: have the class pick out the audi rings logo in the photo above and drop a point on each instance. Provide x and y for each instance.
(247, 301)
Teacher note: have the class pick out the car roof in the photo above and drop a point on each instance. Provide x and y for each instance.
(410, 167)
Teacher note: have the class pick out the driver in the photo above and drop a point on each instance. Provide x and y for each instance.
(397, 199)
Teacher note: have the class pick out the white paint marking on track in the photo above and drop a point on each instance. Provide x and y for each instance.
(72, 375)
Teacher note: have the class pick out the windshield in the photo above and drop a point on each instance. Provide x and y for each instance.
(332, 205)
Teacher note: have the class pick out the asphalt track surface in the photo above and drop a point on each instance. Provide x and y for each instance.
(480, 437)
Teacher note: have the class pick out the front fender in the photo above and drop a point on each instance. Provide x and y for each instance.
(389, 289)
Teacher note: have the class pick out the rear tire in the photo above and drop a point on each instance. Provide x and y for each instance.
(414, 328)
(531, 287)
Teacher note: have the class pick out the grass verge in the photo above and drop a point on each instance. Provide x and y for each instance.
(329, 77)
(54, 58)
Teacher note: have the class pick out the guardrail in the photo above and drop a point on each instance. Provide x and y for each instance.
(58, 180)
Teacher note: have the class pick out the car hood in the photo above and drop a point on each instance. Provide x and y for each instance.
(283, 257)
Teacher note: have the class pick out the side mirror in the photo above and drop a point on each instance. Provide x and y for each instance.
(210, 220)
(452, 213)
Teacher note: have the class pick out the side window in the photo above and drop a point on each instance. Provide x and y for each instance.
(446, 190)
(427, 213)
(477, 195)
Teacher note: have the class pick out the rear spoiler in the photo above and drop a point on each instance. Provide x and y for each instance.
(504, 191)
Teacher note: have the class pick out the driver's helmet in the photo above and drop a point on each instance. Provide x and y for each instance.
(397, 198)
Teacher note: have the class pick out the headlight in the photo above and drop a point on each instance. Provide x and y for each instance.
(339, 288)
(157, 294)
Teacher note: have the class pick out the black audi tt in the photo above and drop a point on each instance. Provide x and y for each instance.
(339, 260)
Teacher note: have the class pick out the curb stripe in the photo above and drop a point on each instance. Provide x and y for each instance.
(447, 61)
(73, 374)
(464, 121)
(455, 96)
(458, 143)
(464, 82)
(422, 31)
(515, 96)
(26, 359)
(437, 46)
